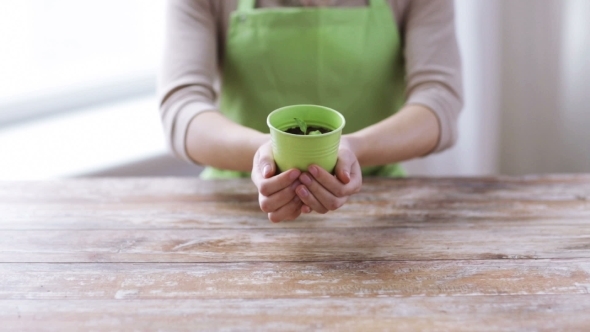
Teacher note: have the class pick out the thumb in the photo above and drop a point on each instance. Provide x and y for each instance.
(344, 166)
(266, 163)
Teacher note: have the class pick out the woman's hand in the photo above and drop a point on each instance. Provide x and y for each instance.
(276, 194)
(321, 191)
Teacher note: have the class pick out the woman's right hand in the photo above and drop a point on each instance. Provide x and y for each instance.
(276, 194)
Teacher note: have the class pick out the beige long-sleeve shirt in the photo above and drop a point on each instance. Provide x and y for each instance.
(195, 40)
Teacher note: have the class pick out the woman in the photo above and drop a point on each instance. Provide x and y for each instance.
(391, 67)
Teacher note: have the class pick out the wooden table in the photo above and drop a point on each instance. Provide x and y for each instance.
(179, 253)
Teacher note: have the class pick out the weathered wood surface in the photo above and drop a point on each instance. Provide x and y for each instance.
(571, 240)
(292, 280)
(457, 313)
(174, 253)
(182, 203)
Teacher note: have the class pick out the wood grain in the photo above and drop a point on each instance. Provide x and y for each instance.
(423, 242)
(293, 280)
(459, 254)
(173, 203)
(461, 313)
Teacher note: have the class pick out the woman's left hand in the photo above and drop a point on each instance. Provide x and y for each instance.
(321, 191)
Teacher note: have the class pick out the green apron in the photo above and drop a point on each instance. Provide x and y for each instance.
(348, 59)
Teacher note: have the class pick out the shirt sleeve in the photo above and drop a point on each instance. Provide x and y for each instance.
(433, 64)
(188, 70)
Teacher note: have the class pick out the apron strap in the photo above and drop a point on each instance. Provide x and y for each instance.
(246, 5)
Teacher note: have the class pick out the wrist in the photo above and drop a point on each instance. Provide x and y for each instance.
(258, 140)
(354, 143)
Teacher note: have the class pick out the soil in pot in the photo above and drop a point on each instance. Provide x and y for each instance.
(303, 129)
(310, 130)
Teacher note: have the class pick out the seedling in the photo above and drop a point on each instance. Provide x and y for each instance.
(303, 127)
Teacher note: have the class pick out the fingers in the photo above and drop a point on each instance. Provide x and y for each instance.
(277, 196)
(279, 182)
(276, 192)
(318, 198)
(277, 200)
(305, 209)
(322, 191)
(347, 170)
(264, 169)
(289, 211)
(333, 184)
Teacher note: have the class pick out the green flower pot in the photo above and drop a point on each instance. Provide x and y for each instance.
(300, 151)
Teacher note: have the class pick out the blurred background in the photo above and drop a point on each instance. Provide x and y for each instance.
(77, 90)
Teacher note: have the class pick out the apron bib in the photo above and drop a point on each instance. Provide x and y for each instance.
(348, 59)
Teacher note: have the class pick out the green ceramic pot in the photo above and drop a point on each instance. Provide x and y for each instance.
(300, 151)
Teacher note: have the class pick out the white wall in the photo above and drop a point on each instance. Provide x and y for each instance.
(575, 96)
(527, 89)
(545, 87)
(531, 86)
(476, 152)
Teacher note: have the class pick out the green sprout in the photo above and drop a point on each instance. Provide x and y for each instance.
(302, 125)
